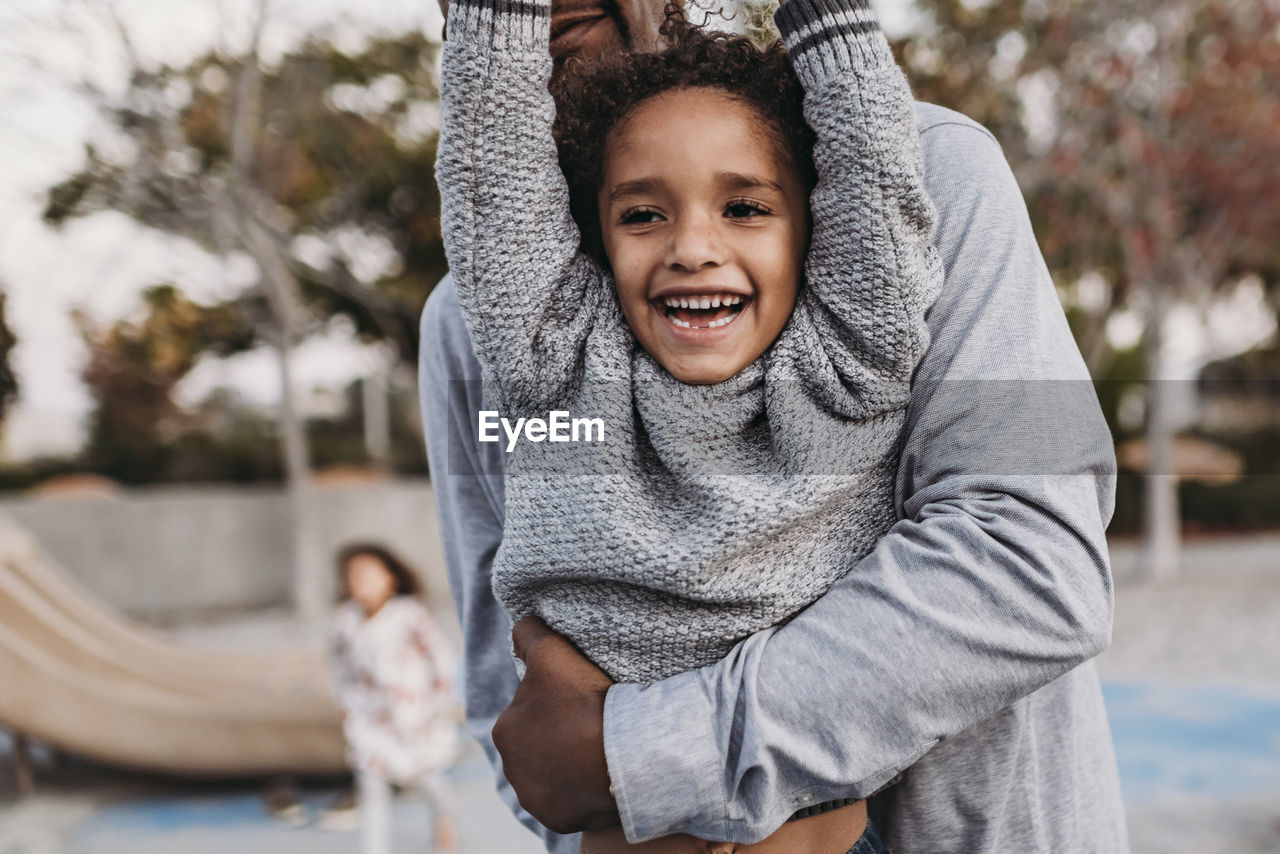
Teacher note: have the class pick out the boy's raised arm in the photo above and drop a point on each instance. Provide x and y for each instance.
(871, 271)
(527, 294)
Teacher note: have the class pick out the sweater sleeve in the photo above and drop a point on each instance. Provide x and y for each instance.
(871, 271)
(527, 293)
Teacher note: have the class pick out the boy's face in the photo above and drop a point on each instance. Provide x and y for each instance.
(697, 208)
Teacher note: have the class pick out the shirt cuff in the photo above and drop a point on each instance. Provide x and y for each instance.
(662, 755)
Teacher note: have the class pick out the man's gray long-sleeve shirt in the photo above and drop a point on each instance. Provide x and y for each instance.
(958, 653)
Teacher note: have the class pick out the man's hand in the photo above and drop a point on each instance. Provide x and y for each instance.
(551, 736)
(640, 20)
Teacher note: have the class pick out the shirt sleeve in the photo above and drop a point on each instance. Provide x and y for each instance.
(466, 478)
(527, 292)
(995, 581)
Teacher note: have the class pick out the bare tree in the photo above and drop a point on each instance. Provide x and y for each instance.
(223, 208)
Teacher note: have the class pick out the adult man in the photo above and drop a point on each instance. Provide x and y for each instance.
(955, 655)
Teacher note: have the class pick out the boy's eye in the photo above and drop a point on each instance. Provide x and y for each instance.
(640, 216)
(743, 208)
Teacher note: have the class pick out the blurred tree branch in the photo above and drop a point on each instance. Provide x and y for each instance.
(316, 145)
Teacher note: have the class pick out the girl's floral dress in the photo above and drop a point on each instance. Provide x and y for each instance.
(394, 674)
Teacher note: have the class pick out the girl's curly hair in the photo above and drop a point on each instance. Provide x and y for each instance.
(594, 97)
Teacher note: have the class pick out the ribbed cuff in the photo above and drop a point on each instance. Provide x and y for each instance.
(819, 809)
(513, 26)
(826, 37)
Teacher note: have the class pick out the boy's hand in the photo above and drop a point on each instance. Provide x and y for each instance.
(551, 736)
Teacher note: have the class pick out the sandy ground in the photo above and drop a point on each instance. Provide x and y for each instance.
(1219, 621)
(1192, 683)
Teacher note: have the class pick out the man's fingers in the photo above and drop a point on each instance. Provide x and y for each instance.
(525, 633)
(642, 19)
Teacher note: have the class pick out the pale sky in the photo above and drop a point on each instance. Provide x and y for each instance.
(102, 263)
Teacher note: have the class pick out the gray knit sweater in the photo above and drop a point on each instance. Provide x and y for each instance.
(708, 512)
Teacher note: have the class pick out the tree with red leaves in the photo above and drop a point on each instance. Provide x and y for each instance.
(1146, 136)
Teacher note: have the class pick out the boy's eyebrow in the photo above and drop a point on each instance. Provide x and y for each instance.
(746, 182)
(731, 180)
(638, 187)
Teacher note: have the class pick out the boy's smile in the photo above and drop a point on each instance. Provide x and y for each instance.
(705, 225)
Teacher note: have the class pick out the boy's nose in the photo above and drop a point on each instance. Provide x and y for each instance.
(695, 244)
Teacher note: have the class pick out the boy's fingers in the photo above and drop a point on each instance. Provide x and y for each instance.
(527, 632)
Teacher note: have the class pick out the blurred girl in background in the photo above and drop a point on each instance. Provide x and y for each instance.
(393, 672)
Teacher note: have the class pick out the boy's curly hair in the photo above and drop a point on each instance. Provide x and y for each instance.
(593, 97)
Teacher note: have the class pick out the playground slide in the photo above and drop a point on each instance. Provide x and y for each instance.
(79, 677)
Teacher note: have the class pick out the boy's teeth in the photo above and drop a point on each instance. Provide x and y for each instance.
(712, 325)
(701, 302)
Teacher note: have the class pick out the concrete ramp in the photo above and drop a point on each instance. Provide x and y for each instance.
(80, 677)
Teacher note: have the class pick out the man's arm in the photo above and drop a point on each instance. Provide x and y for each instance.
(467, 480)
(995, 581)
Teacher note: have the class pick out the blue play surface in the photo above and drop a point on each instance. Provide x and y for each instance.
(171, 814)
(1193, 740)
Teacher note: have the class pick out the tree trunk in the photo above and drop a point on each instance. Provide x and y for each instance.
(247, 213)
(309, 578)
(1161, 518)
(1094, 346)
(377, 418)
(309, 598)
